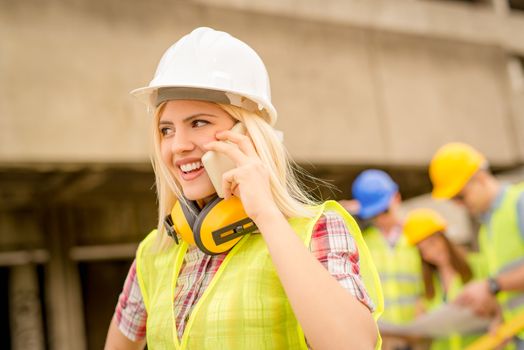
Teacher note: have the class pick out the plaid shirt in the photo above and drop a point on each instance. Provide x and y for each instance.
(331, 244)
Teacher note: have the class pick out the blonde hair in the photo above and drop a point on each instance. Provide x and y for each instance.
(288, 192)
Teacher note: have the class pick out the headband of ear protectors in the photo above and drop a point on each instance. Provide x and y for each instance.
(214, 229)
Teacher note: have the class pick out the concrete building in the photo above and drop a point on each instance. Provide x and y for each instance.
(356, 83)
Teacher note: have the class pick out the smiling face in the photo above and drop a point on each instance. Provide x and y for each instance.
(184, 127)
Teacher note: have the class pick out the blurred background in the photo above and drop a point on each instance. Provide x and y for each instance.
(357, 83)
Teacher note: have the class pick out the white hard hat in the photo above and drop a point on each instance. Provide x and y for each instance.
(211, 65)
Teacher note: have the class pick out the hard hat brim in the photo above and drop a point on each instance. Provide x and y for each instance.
(450, 190)
(149, 96)
(445, 192)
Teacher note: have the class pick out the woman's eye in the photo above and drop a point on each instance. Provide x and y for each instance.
(198, 123)
(165, 131)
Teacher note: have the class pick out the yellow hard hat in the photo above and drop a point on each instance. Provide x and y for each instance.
(422, 223)
(452, 167)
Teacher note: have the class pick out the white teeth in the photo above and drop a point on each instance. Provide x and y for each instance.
(190, 166)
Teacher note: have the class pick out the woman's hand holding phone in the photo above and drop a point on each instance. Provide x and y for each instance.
(249, 178)
(217, 163)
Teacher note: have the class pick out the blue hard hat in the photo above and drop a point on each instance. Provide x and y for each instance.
(373, 189)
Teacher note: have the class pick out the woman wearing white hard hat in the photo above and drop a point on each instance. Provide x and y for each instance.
(264, 267)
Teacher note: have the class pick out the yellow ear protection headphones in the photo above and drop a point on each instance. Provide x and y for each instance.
(214, 229)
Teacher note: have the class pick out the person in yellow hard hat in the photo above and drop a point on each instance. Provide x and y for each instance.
(445, 267)
(461, 173)
(264, 267)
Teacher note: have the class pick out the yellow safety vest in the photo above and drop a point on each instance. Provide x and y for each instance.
(455, 341)
(245, 306)
(501, 242)
(399, 268)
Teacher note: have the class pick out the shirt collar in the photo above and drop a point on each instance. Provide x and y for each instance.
(495, 204)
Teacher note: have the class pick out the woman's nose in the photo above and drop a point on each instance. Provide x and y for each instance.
(182, 143)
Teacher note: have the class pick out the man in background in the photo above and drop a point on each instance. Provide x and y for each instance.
(460, 173)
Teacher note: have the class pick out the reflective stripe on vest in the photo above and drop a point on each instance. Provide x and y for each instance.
(245, 306)
(399, 269)
(516, 301)
(500, 240)
(403, 300)
(455, 341)
(512, 265)
(401, 277)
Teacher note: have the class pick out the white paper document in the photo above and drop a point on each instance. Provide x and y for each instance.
(441, 322)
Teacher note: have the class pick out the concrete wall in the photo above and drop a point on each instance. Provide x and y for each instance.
(348, 90)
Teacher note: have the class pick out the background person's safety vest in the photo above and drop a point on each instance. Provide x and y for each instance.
(503, 245)
(399, 268)
(245, 306)
(454, 341)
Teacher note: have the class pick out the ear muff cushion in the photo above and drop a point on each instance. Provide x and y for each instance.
(184, 218)
(217, 215)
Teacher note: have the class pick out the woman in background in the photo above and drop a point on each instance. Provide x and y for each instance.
(445, 268)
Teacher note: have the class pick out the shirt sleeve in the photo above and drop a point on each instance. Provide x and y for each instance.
(130, 313)
(334, 246)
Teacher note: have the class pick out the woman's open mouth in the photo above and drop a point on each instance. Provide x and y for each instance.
(191, 170)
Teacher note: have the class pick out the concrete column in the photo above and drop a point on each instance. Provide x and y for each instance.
(501, 7)
(515, 67)
(66, 316)
(516, 74)
(25, 309)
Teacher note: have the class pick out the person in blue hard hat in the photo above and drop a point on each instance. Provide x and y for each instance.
(397, 262)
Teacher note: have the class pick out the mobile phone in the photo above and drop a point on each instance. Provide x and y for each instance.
(216, 164)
